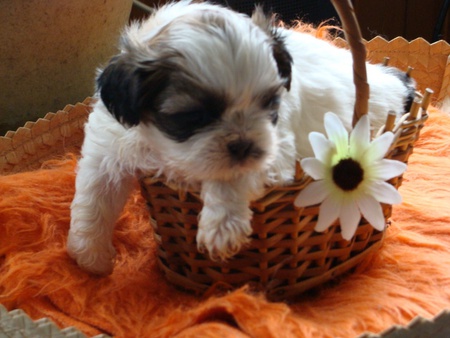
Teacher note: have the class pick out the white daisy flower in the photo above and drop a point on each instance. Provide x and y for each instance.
(350, 176)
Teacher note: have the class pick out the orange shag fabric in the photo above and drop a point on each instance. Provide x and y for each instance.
(409, 276)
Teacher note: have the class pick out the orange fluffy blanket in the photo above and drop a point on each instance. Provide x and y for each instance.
(409, 276)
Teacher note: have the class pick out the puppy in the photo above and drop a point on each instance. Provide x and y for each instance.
(215, 99)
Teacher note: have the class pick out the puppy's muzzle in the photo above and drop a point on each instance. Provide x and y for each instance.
(243, 149)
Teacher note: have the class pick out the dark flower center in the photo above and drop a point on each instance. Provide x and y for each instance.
(348, 174)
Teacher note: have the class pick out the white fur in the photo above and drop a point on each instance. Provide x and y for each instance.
(238, 62)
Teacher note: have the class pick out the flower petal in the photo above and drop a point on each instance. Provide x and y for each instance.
(313, 167)
(372, 211)
(329, 211)
(350, 217)
(360, 137)
(321, 146)
(386, 169)
(337, 133)
(313, 193)
(384, 192)
(378, 148)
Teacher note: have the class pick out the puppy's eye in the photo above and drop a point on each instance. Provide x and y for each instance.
(193, 117)
(181, 121)
(274, 116)
(181, 126)
(271, 102)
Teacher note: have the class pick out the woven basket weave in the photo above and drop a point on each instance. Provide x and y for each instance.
(286, 256)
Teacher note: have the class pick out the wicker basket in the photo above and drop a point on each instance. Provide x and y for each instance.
(286, 256)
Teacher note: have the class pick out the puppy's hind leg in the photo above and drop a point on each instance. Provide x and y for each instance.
(99, 198)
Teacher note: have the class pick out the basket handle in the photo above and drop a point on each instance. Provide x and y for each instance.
(354, 39)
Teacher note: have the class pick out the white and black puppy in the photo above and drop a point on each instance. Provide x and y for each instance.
(214, 99)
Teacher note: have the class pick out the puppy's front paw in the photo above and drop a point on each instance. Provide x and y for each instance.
(223, 233)
(92, 254)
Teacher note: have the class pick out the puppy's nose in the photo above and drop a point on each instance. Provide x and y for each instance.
(240, 149)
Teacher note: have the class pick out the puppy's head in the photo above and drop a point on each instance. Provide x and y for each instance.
(203, 86)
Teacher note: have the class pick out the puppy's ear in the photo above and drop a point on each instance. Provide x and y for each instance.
(280, 53)
(283, 59)
(128, 88)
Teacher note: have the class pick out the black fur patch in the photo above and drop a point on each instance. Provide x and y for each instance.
(409, 84)
(182, 124)
(267, 22)
(283, 59)
(128, 89)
